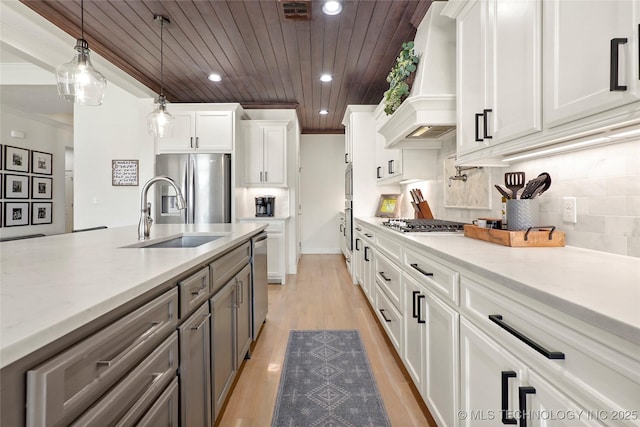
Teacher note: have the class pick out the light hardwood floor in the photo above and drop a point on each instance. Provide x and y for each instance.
(320, 296)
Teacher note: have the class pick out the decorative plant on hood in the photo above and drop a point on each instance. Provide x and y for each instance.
(398, 87)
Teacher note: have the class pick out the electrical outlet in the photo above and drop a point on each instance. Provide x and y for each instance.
(569, 211)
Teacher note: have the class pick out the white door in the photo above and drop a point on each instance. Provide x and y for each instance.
(274, 155)
(472, 74)
(414, 331)
(253, 155)
(579, 59)
(214, 130)
(275, 257)
(183, 138)
(68, 201)
(483, 365)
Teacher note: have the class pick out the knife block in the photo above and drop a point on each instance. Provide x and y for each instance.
(422, 210)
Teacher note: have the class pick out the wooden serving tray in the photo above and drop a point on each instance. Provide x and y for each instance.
(534, 237)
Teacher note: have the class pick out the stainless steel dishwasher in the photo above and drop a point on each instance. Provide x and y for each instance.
(259, 282)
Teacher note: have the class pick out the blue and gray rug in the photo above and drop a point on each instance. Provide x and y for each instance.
(327, 381)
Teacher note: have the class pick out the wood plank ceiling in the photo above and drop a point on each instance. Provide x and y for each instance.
(265, 60)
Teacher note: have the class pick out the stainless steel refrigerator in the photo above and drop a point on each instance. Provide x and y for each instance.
(205, 182)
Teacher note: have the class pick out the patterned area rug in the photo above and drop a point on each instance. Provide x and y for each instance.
(327, 381)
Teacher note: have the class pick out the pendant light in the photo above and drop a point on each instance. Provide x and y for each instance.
(77, 80)
(159, 122)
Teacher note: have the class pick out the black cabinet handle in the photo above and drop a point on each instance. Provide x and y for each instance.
(486, 123)
(390, 167)
(505, 397)
(368, 235)
(386, 279)
(497, 319)
(341, 227)
(420, 320)
(383, 316)
(478, 115)
(358, 229)
(421, 270)
(378, 174)
(415, 310)
(346, 157)
(366, 254)
(613, 65)
(522, 402)
(357, 245)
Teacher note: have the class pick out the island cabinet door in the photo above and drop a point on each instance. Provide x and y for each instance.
(223, 343)
(243, 304)
(164, 411)
(195, 374)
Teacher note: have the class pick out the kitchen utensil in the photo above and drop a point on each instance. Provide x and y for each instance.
(420, 198)
(544, 187)
(514, 182)
(533, 186)
(503, 191)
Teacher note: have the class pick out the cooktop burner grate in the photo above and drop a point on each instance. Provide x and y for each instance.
(409, 225)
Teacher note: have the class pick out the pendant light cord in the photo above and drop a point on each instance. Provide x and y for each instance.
(82, 19)
(161, 55)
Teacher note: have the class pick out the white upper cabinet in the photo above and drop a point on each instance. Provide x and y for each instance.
(265, 153)
(206, 131)
(499, 72)
(590, 57)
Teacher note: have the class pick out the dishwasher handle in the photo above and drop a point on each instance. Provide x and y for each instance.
(260, 239)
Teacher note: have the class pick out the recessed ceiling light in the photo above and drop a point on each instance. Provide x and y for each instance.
(326, 78)
(324, 112)
(332, 7)
(215, 77)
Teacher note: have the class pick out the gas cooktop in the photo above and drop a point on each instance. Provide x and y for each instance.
(409, 225)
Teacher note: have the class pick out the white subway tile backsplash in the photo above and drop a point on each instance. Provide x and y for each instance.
(589, 187)
(633, 206)
(608, 243)
(607, 205)
(628, 226)
(633, 246)
(623, 186)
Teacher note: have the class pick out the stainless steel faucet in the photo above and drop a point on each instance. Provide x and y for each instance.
(144, 225)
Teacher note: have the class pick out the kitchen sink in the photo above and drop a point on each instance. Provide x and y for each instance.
(179, 241)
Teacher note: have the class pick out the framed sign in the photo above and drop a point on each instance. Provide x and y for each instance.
(16, 214)
(40, 187)
(16, 186)
(41, 163)
(124, 172)
(16, 159)
(41, 213)
(389, 205)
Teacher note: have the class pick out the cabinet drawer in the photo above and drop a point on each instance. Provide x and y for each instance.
(436, 277)
(194, 290)
(598, 375)
(133, 396)
(367, 234)
(391, 248)
(228, 265)
(164, 411)
(388, 276)
(390, 318)
(60, 389)
(275, 227)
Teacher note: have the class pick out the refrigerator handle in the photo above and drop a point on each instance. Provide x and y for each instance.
(191, 203)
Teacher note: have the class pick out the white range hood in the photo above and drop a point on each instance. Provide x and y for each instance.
(428, 115)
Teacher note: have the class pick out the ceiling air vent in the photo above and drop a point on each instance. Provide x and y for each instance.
(298, 10)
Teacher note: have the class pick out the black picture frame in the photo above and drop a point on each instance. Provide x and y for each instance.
(41, 213)
(16, 186)
(16, 159)
(16, 214)
(41, 188)
(41, 163)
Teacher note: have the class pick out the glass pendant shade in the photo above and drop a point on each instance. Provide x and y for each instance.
(160, 122)
(78, 81)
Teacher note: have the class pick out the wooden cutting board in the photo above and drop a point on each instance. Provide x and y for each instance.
(534, 238)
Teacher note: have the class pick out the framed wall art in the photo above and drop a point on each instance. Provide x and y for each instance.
(16, 186)
(41, 213)
(16, 214)
(41, 163)
(40, 187)
(389, 205)
(16, 159)
(124, 172)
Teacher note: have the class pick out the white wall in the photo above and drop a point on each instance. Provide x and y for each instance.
(114, 131)
(605, 181)
(321, 192)
(44, 135)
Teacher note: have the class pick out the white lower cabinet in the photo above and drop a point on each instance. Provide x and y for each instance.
(430, 350)
(497, 387)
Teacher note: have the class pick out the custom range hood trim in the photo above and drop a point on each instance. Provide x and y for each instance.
(432, 101)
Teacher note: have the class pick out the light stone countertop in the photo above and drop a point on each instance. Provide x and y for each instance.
(598, 288)
(52, 285)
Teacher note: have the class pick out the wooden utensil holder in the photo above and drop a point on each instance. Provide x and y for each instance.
(422, 210)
